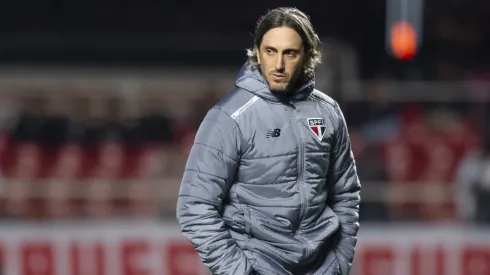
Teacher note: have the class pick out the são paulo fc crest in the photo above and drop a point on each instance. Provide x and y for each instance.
(317, 126)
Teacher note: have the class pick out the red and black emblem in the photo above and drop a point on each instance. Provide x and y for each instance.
(317, 126)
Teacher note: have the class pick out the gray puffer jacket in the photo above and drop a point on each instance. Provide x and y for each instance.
(270, 186)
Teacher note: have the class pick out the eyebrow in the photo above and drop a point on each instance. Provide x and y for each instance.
(285, 50)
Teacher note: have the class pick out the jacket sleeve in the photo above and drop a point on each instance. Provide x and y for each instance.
(209, 171)
(344, 196)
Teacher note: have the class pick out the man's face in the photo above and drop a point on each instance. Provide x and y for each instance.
(281, 58)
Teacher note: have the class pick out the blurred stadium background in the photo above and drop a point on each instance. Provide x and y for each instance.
(100, 101)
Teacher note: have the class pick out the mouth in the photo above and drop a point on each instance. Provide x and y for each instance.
(278, 77)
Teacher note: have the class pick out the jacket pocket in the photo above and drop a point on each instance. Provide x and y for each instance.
(261, 223)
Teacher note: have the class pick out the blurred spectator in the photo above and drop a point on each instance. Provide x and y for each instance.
(473, 187)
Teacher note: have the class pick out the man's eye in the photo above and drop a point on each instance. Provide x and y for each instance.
(269, 51)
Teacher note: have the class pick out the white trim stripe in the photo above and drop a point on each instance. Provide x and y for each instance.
(244, 107)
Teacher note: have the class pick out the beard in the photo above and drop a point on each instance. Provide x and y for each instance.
(285, 87)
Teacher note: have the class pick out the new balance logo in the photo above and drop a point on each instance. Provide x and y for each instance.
(273, 133)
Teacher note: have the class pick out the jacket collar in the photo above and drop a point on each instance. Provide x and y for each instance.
(252, 80)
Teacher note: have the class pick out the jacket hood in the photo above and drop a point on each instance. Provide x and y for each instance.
(252, 80)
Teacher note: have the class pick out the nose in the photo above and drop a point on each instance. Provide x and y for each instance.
(280, 63)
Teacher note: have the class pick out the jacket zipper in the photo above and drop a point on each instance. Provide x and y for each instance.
(301, 189)
(300, 168)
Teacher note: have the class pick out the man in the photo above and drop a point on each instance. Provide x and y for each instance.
(270, 186)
